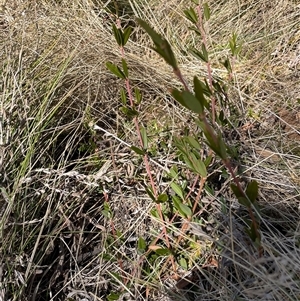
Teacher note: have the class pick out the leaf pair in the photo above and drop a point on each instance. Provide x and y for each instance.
(213, 140)
(194, 102)
(202, 55)
(122, 36)
(117, 71)
(182, 208)
(191, 15)
(234, 46)
(249, 196)
(189, 147)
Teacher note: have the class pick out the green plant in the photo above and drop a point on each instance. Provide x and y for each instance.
(202, 101)
(196, 101)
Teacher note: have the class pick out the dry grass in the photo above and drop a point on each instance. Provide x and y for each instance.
(64, 150)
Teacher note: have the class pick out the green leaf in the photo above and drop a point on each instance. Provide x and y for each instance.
(138, 95)
(221, 148)
(211, 137)
(209, 190)
(141, 245)
(188, 100)
(206, 11)
(199, 89)
(217, 82)
(232, 43)
(205, 53)
(106, 214)
(255, 237)
(191, 15)
(108, 257)
(116, 276)
(129, 112)
(257, 244)
(183, 209)
(207, 160)
(183, 263)
(123, 96)
(252, 191)
(214, 141)
(198, 166)
(222, 119)
(162, 198)
(106, 206)
(186, 210)
(234, 47)
(227, 65)
(184, 184)
(206, 89)
(126, 35)
(115, 70)
(163, 252)
(118, 35)
(119, 234)
(113, 296)
(155, 213)
(244, 201)
(188, 162)
(156, 38)
(199, 55)
(195, 29)
(177, 189)
(180, 145)
(138, 150)
(257, 209)
(125, 68)
(193, 142)
(173, 173)
(150, 193)
(250, 234)
(106, 210)
(166, 52)
(144, 137)
(163, 47)
(237, 191)
(240, 195)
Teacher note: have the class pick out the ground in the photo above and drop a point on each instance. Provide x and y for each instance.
(79, 218)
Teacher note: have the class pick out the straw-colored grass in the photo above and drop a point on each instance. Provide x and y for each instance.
(65, 152)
